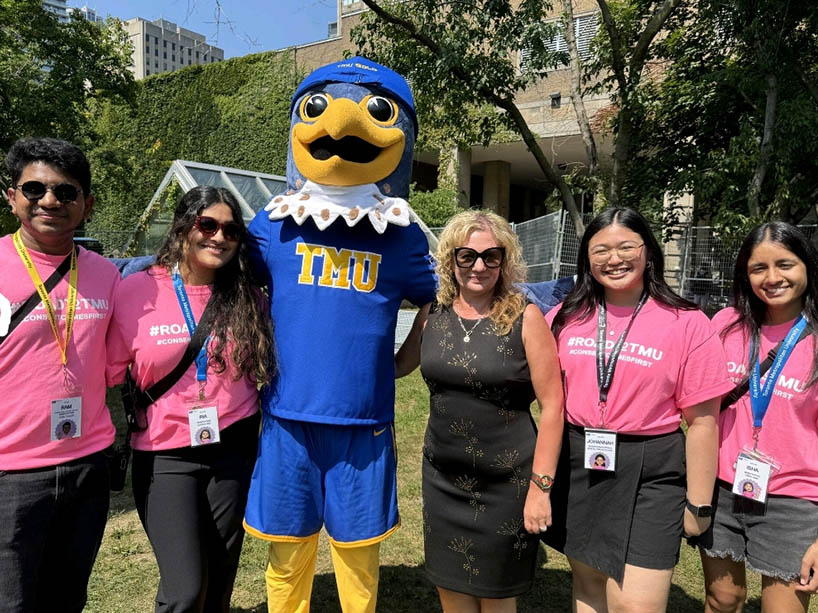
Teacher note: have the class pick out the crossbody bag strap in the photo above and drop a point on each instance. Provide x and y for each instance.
(743, 387)
(197, 341)
(20, 314)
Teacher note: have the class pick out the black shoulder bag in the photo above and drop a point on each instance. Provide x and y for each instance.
(20, 314)
(742, 388)
(136, 401)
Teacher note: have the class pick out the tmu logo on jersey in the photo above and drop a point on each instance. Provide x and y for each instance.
(339, 268)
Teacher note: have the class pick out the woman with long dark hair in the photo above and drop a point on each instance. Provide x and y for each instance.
(190, 493)
(767, 489)
(636, 359)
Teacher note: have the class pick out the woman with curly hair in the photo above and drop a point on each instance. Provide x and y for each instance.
(485, 355)
(190, 493)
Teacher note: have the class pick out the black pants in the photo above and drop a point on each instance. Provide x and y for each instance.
(191, 503)
(51, 525)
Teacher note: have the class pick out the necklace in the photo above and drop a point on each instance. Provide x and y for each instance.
(468, 332)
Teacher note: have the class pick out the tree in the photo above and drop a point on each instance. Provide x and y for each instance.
(735, 117)
(50, 71)
(459, 53)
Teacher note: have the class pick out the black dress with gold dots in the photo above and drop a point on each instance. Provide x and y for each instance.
(478, 451)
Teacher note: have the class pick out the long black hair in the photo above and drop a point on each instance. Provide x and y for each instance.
(583, 300)
(239, 312)
(751, 310)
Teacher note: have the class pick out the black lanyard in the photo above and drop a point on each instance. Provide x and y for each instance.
(605, 372)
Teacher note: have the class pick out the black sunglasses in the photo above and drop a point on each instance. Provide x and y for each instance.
(466, 257)
(35, 190)
(209, 226)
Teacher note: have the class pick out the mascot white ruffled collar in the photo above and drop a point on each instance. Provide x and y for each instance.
(353, 130)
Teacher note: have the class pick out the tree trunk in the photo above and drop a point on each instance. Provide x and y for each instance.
(576, 91)
(766, 151)
(491, 96)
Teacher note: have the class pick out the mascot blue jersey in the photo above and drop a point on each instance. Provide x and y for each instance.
(335, 296)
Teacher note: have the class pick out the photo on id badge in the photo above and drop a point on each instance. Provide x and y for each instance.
(203, 420)
(66, 417)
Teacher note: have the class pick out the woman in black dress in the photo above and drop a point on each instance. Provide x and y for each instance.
(487, 473)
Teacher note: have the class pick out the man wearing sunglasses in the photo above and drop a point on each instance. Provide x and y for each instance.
(53, 479)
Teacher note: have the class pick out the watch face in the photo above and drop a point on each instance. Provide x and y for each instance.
(704, 510)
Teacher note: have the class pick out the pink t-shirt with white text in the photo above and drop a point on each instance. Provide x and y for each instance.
(31, 374)
(789, 431)
(149, 330)
(671, 360)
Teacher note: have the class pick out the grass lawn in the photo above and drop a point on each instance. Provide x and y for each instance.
(125, 576)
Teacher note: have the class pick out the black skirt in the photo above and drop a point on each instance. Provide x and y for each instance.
(633, 516)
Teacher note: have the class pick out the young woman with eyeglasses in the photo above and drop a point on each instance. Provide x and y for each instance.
(485, 356)
(767, 490)
(636, 359)
(192, 465)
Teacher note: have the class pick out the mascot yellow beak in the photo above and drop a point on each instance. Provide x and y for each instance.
(343, 142)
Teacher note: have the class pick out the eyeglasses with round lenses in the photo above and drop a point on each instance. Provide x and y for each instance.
(626, 253)
(209, 226)
(36, 190)
(466, 257)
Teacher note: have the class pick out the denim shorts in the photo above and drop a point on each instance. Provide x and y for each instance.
(769, 538)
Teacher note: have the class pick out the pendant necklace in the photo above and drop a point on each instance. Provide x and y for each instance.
(468, 332)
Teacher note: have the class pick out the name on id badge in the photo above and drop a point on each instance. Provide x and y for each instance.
(600, 449)
(752, 477)
(66, 416)
(203, 417)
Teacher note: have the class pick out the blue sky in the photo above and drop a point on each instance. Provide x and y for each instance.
(247, 26)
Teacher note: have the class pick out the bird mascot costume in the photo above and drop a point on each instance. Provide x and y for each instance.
(339, 254)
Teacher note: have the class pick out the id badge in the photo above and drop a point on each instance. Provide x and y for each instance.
(753, 472)
(66, 416)
(203, 418)
(600, 449)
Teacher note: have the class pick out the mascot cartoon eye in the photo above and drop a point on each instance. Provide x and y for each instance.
(315, 105)
(381, 109)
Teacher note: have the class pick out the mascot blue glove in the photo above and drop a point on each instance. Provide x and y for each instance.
(339, 254)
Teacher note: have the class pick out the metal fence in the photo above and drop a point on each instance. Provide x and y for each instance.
(706, 275)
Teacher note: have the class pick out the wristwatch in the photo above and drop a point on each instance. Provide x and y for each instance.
(544, 482)
(703, 510)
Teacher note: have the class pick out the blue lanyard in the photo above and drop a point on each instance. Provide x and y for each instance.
(760, 396)
(181, 295)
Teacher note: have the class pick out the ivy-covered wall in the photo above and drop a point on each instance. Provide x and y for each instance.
(233, 113)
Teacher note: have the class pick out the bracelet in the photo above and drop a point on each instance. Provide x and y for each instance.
(544, 482)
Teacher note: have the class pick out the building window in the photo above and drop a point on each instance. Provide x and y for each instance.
(147, 50)
(147, 38)
(173, 57)
(148, 72)
(156, 52)
(156, 39)
(165, 54)
(173, 46)
(585, 28)
(166, 65)
(156, 64)
(188, 52)
(165, 44)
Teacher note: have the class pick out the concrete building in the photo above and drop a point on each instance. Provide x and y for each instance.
(58, 7)
(162, 46)
(504, 177)
(86, 13)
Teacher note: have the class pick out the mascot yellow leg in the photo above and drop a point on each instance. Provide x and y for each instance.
(356, 573)
(289, 575)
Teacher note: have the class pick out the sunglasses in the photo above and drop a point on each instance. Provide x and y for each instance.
(63, 192)
(209, 226)
(466, 257)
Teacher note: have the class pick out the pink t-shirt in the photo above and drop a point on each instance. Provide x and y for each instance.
(31, 375)
(790, 428)
(149, 330)
(671, 360)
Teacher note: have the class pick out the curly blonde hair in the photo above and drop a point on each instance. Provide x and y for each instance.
(508, 303)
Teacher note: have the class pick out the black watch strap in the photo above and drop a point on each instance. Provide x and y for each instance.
(703, 510)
